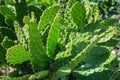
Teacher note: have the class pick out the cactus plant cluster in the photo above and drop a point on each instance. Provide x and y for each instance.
(69, 39)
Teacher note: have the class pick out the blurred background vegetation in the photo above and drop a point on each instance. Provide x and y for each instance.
(108, 8)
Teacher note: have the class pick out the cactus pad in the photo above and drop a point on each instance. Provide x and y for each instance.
(16, 55)
(53, 36)
(47, 16)
(78, 15)
(37, 52)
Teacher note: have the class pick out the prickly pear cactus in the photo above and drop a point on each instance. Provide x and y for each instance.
(67, 24)
(72, 49)
(77, 45)
(76, 60)
(69, 40)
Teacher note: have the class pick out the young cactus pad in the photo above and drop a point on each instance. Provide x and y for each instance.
(38, 56)
(47, 16)
(78, 15)
(53, 35)
(17, 54)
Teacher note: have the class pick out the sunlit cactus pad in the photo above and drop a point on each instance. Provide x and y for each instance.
(17, 54)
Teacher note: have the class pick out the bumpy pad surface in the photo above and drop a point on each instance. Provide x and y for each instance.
(17, 54)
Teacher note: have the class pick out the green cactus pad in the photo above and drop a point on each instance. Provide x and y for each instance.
(92, 11)
(53, 36)
(96, 59)
(22, 34)
(87, 8)
(108, 22)
(47, 16)
(96, 13)
(37, 52)
(16, 55)
(78, 14)
(6, 12)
